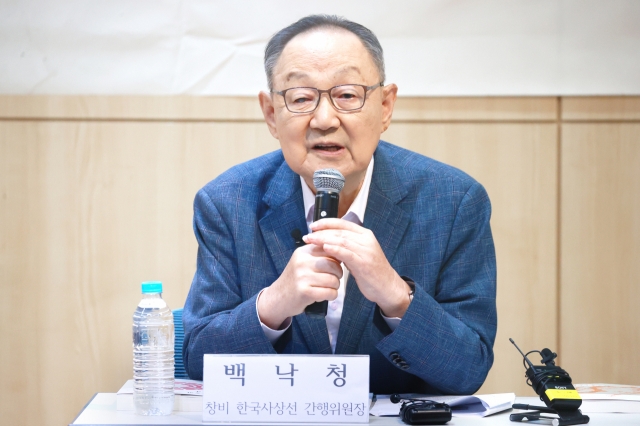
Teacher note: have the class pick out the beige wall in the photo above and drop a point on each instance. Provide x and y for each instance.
(96, 195)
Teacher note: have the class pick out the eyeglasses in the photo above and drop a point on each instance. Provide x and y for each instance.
(344, 98)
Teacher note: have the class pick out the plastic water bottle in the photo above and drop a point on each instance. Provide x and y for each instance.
(153, 368)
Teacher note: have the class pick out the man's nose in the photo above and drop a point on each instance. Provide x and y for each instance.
(325, 116)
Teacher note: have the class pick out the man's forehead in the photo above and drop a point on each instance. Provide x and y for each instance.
(346, 70)
(336, 52)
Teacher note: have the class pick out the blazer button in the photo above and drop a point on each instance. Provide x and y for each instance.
(404, 365)
(394, 356)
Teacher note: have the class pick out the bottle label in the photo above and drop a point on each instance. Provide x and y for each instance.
(152, 303)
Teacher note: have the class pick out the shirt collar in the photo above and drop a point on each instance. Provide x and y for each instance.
(356, 210)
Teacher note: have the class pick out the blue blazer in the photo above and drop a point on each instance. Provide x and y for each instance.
(432, 222)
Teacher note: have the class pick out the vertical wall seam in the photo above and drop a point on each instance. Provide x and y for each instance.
(559, 226)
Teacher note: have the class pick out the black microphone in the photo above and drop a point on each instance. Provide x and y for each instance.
(395, 398)
(328, 183)
(422, 411)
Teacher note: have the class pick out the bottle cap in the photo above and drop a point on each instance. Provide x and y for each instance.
(151, 287)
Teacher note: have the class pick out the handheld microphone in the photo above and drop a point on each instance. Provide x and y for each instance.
(328, 183)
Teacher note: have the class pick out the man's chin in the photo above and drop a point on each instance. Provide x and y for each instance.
(328, 164)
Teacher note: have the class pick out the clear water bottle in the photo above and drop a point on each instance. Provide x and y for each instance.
(153, 368)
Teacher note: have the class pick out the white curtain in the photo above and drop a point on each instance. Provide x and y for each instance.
(209, 47)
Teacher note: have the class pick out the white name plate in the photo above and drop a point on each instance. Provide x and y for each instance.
(286, 388)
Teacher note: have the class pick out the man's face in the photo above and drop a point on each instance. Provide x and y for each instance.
(327, 138)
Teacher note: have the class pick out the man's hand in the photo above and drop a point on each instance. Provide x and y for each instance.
(310, 276)
(358, 248)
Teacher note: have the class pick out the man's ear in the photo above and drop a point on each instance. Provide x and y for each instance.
(389, 96)
(266, 104)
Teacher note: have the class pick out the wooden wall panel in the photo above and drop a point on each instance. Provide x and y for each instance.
(517, 165)
(496, 109)
(88, 211)
(153, 108)
(601, 108)
(20, 322)
(600, 252)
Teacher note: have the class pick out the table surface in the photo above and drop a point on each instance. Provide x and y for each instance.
(101, 410)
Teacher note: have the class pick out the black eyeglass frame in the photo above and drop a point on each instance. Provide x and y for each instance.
(367, 89)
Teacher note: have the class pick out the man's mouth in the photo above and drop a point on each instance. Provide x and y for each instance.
(327, 147)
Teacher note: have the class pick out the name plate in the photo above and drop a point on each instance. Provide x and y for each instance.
(286, 388)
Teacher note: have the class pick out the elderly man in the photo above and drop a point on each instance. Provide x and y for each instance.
(410, 266)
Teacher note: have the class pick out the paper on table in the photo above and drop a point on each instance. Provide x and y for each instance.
(187, 387)
(609, 398)
(468, 405)
(608, 391)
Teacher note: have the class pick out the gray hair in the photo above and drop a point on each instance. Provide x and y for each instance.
(276, 45)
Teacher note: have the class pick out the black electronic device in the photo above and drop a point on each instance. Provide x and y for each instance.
(422, 411)
(553, 386)
(328, 183)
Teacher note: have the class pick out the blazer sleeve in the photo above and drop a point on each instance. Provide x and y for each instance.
(447, 339)
(216, 318)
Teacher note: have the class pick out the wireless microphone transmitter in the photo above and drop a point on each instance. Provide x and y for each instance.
(553, 386)
(422, 411)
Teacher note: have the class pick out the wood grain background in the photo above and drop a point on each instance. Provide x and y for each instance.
(96, 196)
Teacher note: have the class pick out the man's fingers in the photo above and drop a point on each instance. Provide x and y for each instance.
(335, 224)
(329, 265)
(320, 294)
(344, 254)
(325, 281)
(314, 275)
(324, 287)
(336, 238)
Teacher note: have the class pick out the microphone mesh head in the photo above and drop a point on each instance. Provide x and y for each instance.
(328, 179)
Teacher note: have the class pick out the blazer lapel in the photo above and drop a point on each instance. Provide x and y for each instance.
(286, 213)
(388, 222)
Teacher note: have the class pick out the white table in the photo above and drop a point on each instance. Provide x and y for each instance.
(101, 410)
